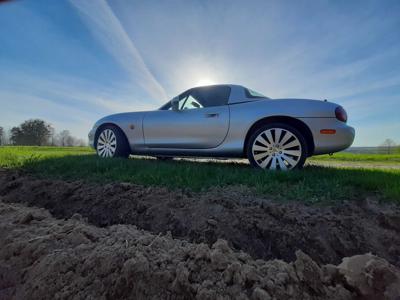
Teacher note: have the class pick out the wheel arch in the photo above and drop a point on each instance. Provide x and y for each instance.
(296, 123)
(98, 130)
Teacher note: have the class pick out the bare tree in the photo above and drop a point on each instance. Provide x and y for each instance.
(1, 136)
(33, 132)
(388, 145)
(70, 141)
(80, 143)
(52, 137)
(64, 138)
(5, 139)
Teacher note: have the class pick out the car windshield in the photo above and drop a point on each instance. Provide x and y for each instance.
(166, 106)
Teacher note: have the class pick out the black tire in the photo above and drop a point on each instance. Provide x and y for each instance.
(122, 148)
(278, 151)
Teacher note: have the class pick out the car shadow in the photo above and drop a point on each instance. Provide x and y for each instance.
(88, 162)
(313, 183)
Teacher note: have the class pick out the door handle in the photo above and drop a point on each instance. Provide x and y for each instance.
(212, 115)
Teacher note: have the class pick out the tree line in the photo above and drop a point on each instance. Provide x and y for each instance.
(37, 132)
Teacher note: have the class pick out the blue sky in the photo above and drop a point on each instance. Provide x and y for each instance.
(71, 62)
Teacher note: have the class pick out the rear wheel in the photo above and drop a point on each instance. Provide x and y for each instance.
(111, 142)
(277, 146)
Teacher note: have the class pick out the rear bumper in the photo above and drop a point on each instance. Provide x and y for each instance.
(330, 143)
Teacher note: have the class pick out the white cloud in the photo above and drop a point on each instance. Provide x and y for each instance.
(346, 56)
(106, 27)
(66, 102)
(21, 106)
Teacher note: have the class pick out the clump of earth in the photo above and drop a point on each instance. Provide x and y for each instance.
(77, 240)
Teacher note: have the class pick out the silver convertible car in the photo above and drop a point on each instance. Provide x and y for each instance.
(227, 121)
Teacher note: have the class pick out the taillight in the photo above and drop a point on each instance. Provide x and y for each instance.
(341, 114)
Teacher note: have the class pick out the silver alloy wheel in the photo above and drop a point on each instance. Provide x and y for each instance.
(107, 143)
(277, 148)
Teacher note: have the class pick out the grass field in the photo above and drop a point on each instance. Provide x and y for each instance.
(313, 184)
(342, 156)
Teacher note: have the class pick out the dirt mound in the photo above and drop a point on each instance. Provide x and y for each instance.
(262, 228)
(45, 258)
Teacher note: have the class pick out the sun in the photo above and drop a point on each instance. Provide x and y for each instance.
(205, 81)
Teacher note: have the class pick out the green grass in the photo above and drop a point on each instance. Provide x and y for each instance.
(20, 156)
(343, 156)
(312, 184)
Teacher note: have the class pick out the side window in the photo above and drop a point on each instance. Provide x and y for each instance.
(212, 95)
(200, 97)
(191, 103)
(182, 101)
(168, 105)
(188, 101)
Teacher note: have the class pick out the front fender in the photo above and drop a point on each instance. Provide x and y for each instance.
(130, 123)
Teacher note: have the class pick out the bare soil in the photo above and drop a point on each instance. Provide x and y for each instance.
(183, 245)
(265, 229)
(45, 258)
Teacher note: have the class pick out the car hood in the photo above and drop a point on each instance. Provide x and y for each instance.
(120, 117)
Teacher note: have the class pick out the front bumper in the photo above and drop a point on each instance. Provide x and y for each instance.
(91, 136)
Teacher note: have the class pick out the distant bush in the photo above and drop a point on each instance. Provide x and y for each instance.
(34, 132)
(37, 132)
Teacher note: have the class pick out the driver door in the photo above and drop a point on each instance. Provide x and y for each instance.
(200, 122)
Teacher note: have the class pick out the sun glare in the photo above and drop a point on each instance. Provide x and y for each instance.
(205, 81)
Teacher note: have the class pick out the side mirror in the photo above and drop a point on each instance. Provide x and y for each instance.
(175, 104)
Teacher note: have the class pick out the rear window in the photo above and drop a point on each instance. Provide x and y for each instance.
(253, 94)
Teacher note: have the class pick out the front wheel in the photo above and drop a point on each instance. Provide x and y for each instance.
(111, 142)
(277, 146)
